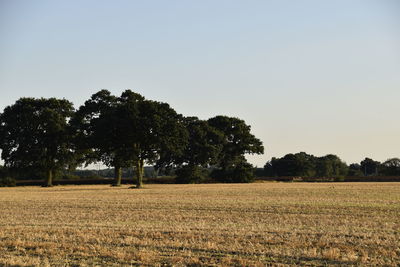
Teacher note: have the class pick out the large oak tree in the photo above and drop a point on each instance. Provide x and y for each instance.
(98, 127)
(153, 132)
(34, 135)
(128, 131)
(236, 143)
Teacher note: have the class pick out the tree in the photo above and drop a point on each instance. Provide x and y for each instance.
(34, 134)
(98, 127)
(330, 166)
(369, 166)
(305, 165)
(355, 170)
(128, 131)
(157, 136)
(300, 164)
(202, 150)
(391, 167)
(237, 141)
(239, 172)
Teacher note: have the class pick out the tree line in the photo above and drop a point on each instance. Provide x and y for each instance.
(44, 136)
(306, 165)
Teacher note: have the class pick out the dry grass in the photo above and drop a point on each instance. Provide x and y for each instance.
(178, 225)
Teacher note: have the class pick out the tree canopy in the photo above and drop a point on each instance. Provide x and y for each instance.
(237, 140)
(203, 148)
(34, 135)
(98, 126)
(128, 131)
(391, 167)
(40, 136)
(369, 166)
(304, 165)
(155, 133)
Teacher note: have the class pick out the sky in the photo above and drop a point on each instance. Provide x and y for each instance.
(316, 76)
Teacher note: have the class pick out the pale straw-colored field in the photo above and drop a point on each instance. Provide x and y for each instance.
(214, 224)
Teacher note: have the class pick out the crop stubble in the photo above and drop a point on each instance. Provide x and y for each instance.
(212, 224)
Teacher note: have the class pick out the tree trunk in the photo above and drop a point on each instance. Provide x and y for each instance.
(117, 176)
(139, 173)
(49, 179)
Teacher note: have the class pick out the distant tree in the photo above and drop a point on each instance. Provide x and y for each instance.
(260, 172)
(202, 150)
(305, 165)
(369, 166)
(355, 170)
(330, 166)
(239, 172)
(190, 174)
(34, 135)
(237, 141)
(391, 167)
(300, 164)
(269, 168)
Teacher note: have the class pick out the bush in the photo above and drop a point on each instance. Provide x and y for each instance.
(190, 175)
(241, 173)
(7, 182)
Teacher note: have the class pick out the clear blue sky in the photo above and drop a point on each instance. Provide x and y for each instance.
(314, 76)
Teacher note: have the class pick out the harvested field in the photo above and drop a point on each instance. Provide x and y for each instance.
(212, 224)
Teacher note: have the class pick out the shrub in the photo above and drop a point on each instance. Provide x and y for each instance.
(7, 182)
(243, 172)
(190, 175)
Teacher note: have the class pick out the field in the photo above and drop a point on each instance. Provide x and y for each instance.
(214, 224)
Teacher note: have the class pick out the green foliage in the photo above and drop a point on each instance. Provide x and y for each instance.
(97, 127)
(128, 131)
(34, 134)
(299, 164)
(241, 172)
(370, 166)
(3, 172)
(354, 170)
(237, 141)
(203, 148)
(330, 166)
(204, 144)
(154, 133)
(191, 174)
(390, 167)
(259, 172)
(305, 165)
(7, 181)
(160, 132)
